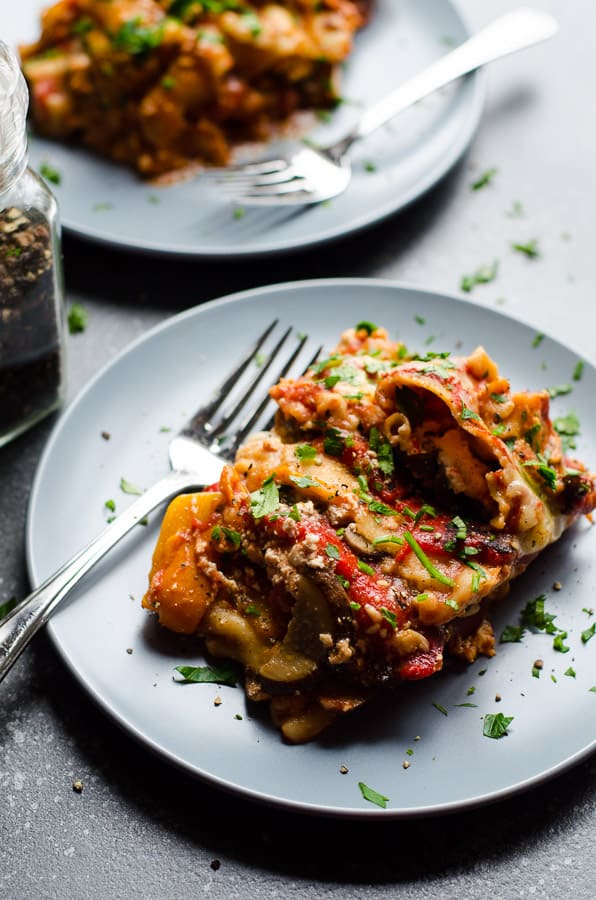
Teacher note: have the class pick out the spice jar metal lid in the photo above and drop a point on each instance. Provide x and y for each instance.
(14, 101)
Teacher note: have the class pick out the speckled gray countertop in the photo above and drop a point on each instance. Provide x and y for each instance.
(141, 828)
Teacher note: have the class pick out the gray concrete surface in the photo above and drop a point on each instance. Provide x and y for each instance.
(142, 829)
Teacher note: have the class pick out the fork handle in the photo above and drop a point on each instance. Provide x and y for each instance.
(507, 34)
(25, 620)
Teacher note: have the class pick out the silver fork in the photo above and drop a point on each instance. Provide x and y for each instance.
(314, 174)
(197, 454)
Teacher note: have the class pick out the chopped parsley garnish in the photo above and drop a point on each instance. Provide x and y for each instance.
(425, 561)
(305, 451)
(353, 603)
(559, 390)
(127, 487)
(471, 690)
(332, 551)
(538, 340)
(389, 616)
(470, 705)
(234, 537)
(545, 471)
(384, 452)
(369, 327)
(294, 513)
(534, 615)
(111, 505)
(495, 725)
(570, 672)
(578, 371)
(516, 211)
(333, 443)
(529, 249)
(440, 708)
(388, 539)
(135, 38)
(483, 275)
(77, 318)
(252, 610)
(512, 634)
(462, 529)
(484, 179)
(373, 796)
(589, 633)
(381, 508)
(567, 427)
(420, 320)
(558, 642)
(265, 500)
(50, 173)
(224, 674)
(304, 481)
(467, 413)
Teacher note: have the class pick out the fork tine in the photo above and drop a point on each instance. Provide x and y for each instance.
(246, 180)
(258, 168)
(300, 197)
(254, 417)
(205, 412)
(215, 431)
(292, 185)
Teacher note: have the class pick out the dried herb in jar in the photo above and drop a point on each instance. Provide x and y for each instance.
(30, 358)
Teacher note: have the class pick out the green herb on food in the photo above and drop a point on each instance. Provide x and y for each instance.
(265, 500)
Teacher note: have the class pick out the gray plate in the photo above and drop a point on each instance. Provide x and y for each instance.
(108, 203)
(452, 765)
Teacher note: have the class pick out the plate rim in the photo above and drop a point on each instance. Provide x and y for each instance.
(355, 813)
(474, 110)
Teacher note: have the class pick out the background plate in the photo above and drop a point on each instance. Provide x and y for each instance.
(452, 766)
(108, 203)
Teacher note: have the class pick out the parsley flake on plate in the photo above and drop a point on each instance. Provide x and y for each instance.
(495, 725)
(207, 675)
(373, 796)
(127, 487)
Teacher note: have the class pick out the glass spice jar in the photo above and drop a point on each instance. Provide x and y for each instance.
(31, 284)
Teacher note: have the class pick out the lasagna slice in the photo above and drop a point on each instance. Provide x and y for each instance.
(362, 540)
(163, 84)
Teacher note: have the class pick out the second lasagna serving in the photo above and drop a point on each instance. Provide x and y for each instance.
(363, 540)
(163, 84)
